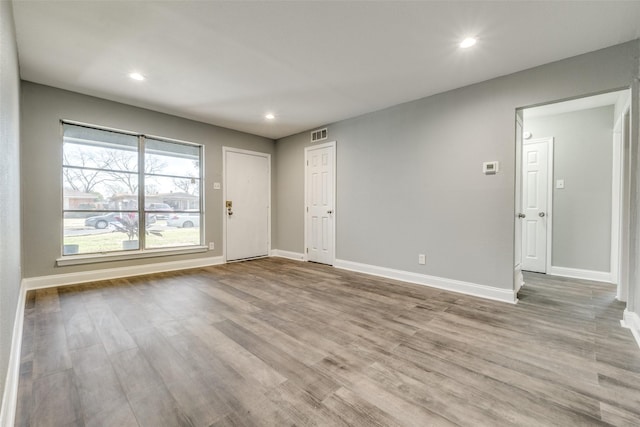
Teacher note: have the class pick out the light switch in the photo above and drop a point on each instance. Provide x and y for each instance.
(559, 183)
(216, 185)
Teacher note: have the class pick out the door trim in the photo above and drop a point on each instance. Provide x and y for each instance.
(518, 278)
(620, 190)
(550, 186)
(306, 197)
(226, 150)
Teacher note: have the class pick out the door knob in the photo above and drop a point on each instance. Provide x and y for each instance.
(521, 215)
(541, 214)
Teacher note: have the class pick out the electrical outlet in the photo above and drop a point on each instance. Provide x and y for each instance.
(422, 259)
(212, 246)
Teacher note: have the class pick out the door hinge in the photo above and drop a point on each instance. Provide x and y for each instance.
(307, 250)
(307, 208)
(307, 162)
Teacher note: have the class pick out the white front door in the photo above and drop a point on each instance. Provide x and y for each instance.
(535, 176)
(320, 202)
(247, 181)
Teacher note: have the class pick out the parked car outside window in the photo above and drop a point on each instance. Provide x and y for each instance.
(162, 207)
(102, 221)
(184, 220)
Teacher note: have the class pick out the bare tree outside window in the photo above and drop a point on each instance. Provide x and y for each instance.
(102, 191)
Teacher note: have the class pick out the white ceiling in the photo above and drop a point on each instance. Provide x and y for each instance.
(310, 63)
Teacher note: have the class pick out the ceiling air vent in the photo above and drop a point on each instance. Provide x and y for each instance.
(319, 135)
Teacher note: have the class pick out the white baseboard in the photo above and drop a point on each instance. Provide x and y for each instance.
(576, 273)
(468, 288)
(115, 273)
(9, 399)
(631, 320)
(286, 254)
(10, 395)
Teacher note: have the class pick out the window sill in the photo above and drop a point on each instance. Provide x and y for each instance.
(126, 256)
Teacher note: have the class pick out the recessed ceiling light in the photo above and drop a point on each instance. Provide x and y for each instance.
(468, 42)
(137, 76)
(269, 116)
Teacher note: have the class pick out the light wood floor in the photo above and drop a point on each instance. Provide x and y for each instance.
(275, 342)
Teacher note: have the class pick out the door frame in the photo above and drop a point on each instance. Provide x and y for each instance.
(306, 197)
(226, 150)
(618, 224)
(518, 279)
(550, 185)
(620, 199)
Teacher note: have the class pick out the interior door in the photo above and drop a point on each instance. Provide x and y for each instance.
(247, 203)
(535, 175)
(320, 203)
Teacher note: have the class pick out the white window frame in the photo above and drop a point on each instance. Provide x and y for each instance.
(89, 258)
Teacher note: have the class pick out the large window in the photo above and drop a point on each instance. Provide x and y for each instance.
(127, 192)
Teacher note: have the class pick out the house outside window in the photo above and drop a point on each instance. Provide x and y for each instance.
(129, 192)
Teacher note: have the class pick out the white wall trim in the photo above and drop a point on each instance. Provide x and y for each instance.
(550, 188)
(616, 204)
(10, 395)
(296, 256)
(576, 273)
(468, 288)
(115, 273)
(9, 399)
(631, 320)
(620, 221)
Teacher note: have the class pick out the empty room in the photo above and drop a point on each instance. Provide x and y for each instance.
(315, 213)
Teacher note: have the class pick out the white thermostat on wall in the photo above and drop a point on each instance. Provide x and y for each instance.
(490, 168)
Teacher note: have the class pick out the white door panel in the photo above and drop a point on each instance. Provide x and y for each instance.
(535, 168)
(320, 168)
(247, 189)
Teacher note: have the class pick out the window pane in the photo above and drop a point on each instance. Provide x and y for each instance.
(100, 231)
(170, 158)
(173, 194)
(99, 149)
(178, 229)
(92, 189)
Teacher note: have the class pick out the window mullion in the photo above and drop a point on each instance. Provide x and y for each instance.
(142, 218)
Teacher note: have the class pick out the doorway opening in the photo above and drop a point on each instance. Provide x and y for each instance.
(573, 189)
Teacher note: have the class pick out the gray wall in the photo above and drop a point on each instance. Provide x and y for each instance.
(583, 151)
(409, 177)
(42, 109)
(10, 252)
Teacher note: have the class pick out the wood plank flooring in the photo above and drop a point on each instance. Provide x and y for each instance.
(273, 342)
